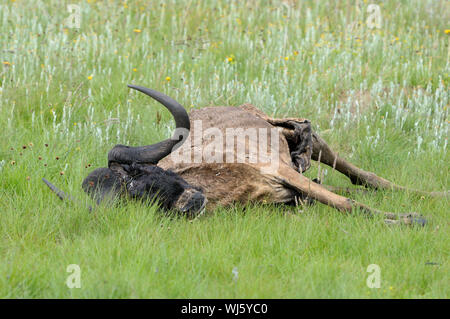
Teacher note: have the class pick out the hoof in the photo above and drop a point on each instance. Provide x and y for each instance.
(411, 219)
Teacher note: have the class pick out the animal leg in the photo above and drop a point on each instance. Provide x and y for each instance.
(357, 175)
(290, 178)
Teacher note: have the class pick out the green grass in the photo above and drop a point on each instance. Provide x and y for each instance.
(379, 96)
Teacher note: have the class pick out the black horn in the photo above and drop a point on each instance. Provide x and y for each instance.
(152, 154)
(61, 195)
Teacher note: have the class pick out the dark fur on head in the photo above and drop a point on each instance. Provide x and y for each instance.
(146, 182)
(101, 183)
(150, 182)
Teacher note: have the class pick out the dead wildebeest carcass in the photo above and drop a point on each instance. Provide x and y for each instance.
(200, 165)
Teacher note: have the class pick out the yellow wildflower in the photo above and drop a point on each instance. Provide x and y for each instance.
(230, 58)
(137, 31)
(168, 78)
(90, 77)
(447, 31)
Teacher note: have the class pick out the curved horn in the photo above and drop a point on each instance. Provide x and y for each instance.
(152, 154)
(61, 195)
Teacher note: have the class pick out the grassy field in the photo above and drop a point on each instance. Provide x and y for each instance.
(379, 95)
